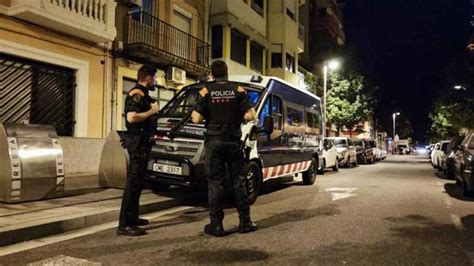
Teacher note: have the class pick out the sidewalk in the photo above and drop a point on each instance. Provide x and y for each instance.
(84, 204)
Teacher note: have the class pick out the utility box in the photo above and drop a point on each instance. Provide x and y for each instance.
(31, 163)
(113, 162)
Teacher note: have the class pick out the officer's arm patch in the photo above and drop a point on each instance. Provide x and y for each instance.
(136, 95)
(240, 89)
(203, 92)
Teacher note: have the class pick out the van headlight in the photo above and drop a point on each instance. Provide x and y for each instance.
(469, 162)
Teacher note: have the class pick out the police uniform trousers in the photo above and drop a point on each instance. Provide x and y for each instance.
(218, 155)
(134, 185)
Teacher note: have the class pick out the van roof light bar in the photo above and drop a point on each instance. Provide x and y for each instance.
(256, 78)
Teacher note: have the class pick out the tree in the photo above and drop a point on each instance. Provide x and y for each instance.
(349, 101)
(314, 84)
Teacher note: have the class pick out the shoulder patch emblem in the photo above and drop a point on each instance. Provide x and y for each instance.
(136, 98)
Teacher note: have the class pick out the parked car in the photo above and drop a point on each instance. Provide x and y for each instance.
(464, 164)
(440, 152)
(447, 160)
(383, 154)
(330, 156)
(364, 151)
(429, 149)
(377, 152)
(433, 153)
(346, 151)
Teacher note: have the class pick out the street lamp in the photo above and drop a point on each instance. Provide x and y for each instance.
(328, 65)
(459, 87)
(394, 115)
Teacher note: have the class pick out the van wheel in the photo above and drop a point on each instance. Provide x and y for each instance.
(336, 166)
(321, 169)
(310, 175)
(253, 181)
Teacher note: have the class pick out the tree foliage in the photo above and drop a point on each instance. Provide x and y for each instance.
(350, 99)
(453, 113)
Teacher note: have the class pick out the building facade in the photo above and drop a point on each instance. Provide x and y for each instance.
(55, 64)
(169, 34)
(257, 37)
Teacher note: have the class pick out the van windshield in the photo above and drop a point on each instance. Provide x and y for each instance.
(186, 99)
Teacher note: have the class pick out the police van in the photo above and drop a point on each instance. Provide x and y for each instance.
(284, 141)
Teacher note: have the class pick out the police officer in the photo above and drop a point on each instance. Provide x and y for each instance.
(140, 111)
(224, 105)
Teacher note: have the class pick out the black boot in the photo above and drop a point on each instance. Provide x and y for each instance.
(246, 225)
(215, 228)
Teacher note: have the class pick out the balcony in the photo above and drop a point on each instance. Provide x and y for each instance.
(92, 20)
(148, 38)
(331, 25)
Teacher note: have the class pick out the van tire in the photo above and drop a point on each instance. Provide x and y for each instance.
(253, 174)
(321, 169)
(309, 176)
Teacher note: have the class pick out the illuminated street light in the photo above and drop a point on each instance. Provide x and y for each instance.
(394, 115)
(332, 65)
(459, 87)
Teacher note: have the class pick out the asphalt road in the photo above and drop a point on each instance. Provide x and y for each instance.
(400, 211)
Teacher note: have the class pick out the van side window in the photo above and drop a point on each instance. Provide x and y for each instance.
(277, 112)
(294, 117)
(312, 120)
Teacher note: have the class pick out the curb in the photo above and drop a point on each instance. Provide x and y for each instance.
(53, 227)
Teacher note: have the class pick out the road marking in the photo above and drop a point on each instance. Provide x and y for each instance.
(64, 260)
(15, 248)
(448, 203)
(457, 222)
(338, 193)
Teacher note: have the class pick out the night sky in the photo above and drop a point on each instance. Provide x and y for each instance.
(405, 46)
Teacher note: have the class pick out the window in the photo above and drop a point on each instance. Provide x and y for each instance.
(217, 38)
(238, 49)
(290, 14)
(277, 60)
(148, 8)
(257, 6)
(272, 107)
(471, 143)
(290, 63)
(256, 57)
(294, 117)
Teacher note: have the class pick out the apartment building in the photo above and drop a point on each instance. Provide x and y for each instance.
(324, 36)
(257, 37)
(169, 34)
(55, 65)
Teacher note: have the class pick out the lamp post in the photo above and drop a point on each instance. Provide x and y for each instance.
(328, 65)
(394, 115)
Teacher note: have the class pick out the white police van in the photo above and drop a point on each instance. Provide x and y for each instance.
(284, 141)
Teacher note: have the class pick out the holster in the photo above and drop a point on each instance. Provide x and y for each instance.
(138, 145)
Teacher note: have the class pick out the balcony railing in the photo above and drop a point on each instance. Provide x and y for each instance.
(149, 36)
(300, 31)
(93, 20)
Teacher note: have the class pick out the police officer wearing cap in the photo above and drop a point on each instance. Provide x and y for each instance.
(140, 112)
(224, 105)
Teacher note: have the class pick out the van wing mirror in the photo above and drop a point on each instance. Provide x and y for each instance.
(267, 127)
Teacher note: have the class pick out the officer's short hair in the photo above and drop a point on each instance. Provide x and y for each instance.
(145, 71)
(219, 69)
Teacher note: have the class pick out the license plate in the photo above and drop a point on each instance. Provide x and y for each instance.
(168, 169)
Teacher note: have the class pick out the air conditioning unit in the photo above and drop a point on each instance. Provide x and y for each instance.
(130, 3)
(176, 75)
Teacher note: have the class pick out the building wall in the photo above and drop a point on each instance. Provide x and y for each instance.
(49, 47)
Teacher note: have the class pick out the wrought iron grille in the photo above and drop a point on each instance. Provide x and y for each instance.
(37, 93)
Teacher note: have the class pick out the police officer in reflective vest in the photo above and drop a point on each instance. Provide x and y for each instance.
(140, 112)
(224, 105)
